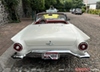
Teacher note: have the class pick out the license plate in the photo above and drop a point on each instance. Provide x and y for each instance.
(53, 56)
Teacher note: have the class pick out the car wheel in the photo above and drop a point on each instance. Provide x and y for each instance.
(75, 13)
(80, 14)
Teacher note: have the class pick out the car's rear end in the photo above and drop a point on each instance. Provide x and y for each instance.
(50, 42)
(78, 11)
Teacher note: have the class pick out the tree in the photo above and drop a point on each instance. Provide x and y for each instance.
(68, 5)
(77, 3)
(59, 5)
(31, 7)
(35, 5)
(49, 2)
(73, 4)
(26, 8)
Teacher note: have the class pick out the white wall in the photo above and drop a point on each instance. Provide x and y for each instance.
(92, 1)
(92, 6)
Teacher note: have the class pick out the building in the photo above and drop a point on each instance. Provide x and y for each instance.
(91, 3)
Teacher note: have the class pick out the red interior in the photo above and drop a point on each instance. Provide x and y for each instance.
(56, 21)
(51, 21)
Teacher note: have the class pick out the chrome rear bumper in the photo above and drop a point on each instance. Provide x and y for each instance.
(60, 52)
(17, 56)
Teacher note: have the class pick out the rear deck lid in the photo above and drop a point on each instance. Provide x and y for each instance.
(50, 34)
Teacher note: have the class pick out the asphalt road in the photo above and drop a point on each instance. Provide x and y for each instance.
(90, 24)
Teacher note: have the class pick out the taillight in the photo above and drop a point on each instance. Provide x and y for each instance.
(17, 47)
(83, 46)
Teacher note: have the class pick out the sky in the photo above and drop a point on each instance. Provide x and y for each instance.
(91, 1)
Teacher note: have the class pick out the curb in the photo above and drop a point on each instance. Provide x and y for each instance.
(6, 61)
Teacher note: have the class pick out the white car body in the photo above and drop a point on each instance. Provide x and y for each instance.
(51, 38)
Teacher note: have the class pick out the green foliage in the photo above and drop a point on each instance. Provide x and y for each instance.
(94, 11)
(83, 9)
(56, 3)
(26, 3)
(77, 3)
(68, 5)
(34, 5)
(49, 2)
(26, 8)
(10, 6)
(59, 5)
(37, 4)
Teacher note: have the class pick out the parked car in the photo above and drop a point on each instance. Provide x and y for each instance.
(72, 10)
(77, 11)
(50, 39)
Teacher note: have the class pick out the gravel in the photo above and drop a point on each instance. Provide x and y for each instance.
(90, 24)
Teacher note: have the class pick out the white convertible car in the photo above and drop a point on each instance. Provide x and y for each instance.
(50, 37)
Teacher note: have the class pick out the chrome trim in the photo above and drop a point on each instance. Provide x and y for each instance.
(85, 55)
(61, 52)
(16, 56)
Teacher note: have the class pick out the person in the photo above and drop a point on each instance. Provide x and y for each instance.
(51, 10)
(51, 7)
